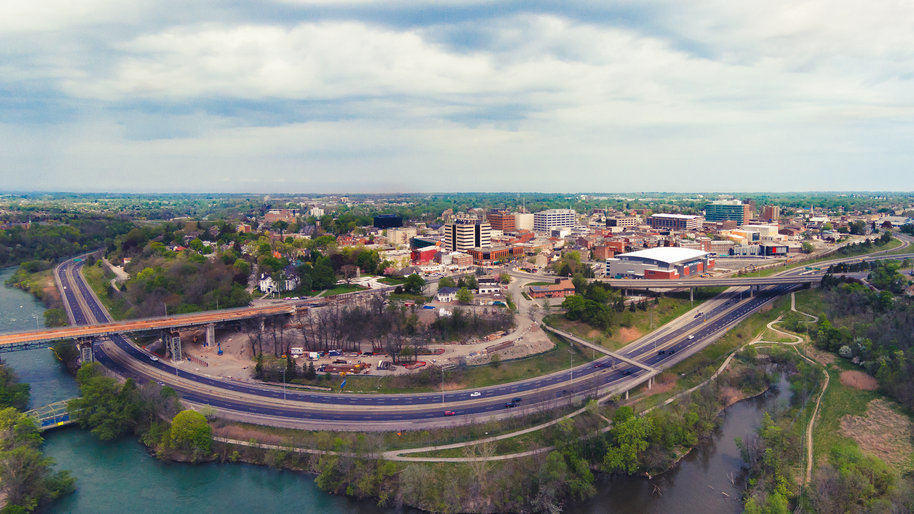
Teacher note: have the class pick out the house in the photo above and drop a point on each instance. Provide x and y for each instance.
(446, 294)
(290, 278)
(267, 284)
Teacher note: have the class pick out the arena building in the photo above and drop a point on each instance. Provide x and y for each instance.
(661, 262)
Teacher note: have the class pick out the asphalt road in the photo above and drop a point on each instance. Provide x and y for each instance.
(361, 410)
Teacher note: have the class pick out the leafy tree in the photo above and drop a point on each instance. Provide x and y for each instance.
(27, 479)
(446, 282)
(107, 408)
(12, 392)
(414, 284)
(189, 432)
(464, 296)
(629, 439)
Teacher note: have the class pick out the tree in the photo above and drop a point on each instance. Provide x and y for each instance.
(414, 284)
(189, 432)
(807, 247)
(446, 282)
(629, 439)
(27, 480)
(12, 393)
(105, 407)
(464, 296)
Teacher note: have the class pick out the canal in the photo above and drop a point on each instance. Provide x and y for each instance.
(121, 476)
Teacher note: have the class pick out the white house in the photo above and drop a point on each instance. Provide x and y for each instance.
(267, 284)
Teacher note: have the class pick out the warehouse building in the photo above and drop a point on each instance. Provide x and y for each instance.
(663, 263)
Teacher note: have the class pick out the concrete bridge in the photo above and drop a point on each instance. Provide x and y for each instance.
(39, 338)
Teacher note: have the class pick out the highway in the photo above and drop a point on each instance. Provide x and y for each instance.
(272, 405)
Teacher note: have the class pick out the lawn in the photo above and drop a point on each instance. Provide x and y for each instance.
(99, 279)
(392, 281)
(634, 324)
(344, 288)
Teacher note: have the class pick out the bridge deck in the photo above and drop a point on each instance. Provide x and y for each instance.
(140, 325)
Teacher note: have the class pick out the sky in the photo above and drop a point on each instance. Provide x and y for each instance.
(449, 95)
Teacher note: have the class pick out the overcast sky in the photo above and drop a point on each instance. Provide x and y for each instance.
(322, 96)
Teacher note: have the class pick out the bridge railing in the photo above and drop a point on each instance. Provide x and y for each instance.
(52, 415)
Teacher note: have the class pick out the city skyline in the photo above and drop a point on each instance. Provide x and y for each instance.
(323, 97)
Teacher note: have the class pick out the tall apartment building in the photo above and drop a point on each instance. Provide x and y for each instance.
(501, 220)
(523, 221)
(771, 213)
(675, 221)
(464, 234)
(728, 210)
(545, 221)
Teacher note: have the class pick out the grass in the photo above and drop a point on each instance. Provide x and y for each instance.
(539, 284)
(669, 308)
(392, 281)
(344, 288)
(99, 279)
(839, 401)
(550, 361)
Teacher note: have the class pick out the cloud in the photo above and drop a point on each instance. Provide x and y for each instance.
(462, 94)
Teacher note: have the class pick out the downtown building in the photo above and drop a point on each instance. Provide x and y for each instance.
(546, 221)
(675, 221)
(464, 234)
(728, 210)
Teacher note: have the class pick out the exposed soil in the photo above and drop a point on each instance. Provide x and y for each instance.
(859, 380)
(819, 356)
(881, 432)
(629, 334)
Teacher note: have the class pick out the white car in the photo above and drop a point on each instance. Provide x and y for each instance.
(154, 358)
(691, 337)
(474, 394)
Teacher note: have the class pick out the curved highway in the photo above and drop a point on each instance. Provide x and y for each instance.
(659, 349)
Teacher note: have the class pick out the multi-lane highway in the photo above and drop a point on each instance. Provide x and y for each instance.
(366, 411)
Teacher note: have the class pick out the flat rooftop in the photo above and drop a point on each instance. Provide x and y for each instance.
(668, 254)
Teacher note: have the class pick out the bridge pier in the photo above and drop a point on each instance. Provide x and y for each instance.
(85, 350)
(173, 344)
(692, 296)
(650, 383)
(210, 334)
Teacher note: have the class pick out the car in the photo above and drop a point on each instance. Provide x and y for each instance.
(153, 358)
(698, 315)
(661, 352)
(475, 394)
(691, 337)
(517, 400)
(340, 361)
(510, 405)
(449, 413)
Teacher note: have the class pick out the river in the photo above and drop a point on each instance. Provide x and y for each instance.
(121, 476)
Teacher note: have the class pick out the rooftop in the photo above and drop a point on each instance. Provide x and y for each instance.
(669, 254)
(677, 216)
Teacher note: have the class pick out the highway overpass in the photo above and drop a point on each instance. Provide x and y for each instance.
(23, 340)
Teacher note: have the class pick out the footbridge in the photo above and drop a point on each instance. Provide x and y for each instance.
(52, 415)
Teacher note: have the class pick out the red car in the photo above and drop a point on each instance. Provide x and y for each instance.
(449, 413)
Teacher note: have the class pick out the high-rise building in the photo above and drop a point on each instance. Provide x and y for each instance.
(523, 221)
(501, 220)
(464, 234)
(771, 213)
(728, 210)
(545, 221)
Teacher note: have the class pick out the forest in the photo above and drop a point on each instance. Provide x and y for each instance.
(872, 329)
(51, 241)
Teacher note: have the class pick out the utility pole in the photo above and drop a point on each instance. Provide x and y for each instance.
(442, 385)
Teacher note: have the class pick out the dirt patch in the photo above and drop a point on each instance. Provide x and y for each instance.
(242, 433)
(819, 356)
(859, 380)
(881, 432)
(730, 395)
(629, 334)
